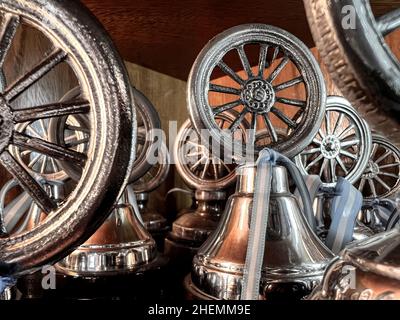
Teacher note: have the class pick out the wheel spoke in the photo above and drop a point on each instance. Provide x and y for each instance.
(341, 164)
(292, 102)
(34, 160)
(389, 22)
(314, 162)
(349, 143)
(253, 129)
(229, 72)
(374, 149)
(270, 127)
(245, 61)
(215, 169)
(348, 154)
(322, 135)
(77, 142)
(372, 187)
(29, 184)
(311, 151)
(387, 174)
(323, 166)
(222, 89)
(383, 157)
(76, 128)
(51, 110)
(346, 131)
(206, 166)
(283, 117)
(382, 183)
(318, 142)
(362, 184)
(328, 122)
(278, 69)
(226, 106)
(391, 165)
(235, 124)
(262, 61)
(31, 77)
(49, 149)
(333, 169)
(274, 55)
(8, 29)
(196, 164)
(338, 123)
(288, 84)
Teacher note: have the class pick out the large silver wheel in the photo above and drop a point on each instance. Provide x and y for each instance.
(259, 94)
(381, 178)
(197, 166)
(77, 40)
(342, 146)
(359, 60)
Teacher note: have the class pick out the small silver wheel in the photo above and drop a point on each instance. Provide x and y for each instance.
(259, 94)
(197, 166)
(381, 178)
(342, 146)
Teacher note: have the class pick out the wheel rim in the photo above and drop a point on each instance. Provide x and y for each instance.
(381, 178)
(342, 146)
(110, 156)
(256, 95)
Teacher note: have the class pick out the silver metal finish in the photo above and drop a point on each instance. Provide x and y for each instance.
(294, 257)
(359, 59)
(381, 178)
(147, 121)
(342, 146)
(77, 40)
(257, 95)
(198, 167)
(372, 264)
(119, 246)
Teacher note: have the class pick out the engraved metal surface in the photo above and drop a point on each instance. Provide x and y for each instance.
(359, 60)
(80, 42)
(255, 94)
(341, 147)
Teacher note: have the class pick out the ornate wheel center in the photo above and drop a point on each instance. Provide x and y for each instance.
(330, 147)
(373, 170)
(258, 95)
(6, 124)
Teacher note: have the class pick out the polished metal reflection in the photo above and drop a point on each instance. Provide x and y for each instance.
(197, 225)
(366, 270)
(120, 245)
(294, 257)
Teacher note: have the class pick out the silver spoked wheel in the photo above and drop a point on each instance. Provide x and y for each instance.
(198, 167)
(259, 94)
(359, 59)
(342, 146)
(381, 178)
(73, 38)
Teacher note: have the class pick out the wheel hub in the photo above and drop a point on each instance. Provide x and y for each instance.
(373, 170)
(258, 95)
(330, 147)
(6, 124)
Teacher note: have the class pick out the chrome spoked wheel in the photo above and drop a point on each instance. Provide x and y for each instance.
(200, 168)
(259, 94)
(342, 146)
(381, 178)
(359, 59)
(73, 40)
